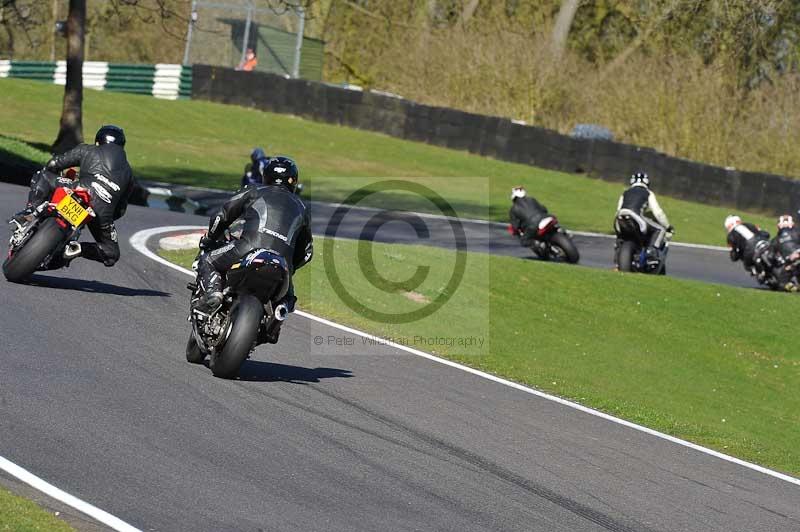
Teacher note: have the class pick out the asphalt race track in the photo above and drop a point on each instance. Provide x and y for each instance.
(96, 398)
(687, 262)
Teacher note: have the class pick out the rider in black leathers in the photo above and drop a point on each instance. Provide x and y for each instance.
(105, 171)
(638, 200)
(275, 218)
(525, 215)
(785, 244)
(252, 175)
(748, 243)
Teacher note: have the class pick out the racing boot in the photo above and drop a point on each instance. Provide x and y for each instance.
(211, 284)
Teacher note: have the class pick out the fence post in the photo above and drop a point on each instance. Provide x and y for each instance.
(301, 13)
(247, 31)
(192, 19)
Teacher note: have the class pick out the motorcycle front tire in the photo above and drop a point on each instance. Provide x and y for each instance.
(193, 353)
(20, 266)
(246, 317)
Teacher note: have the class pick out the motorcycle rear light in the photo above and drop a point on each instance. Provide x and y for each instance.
(83, 195)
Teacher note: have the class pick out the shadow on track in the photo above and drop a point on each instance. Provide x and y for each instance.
(257, 371)
(95, 287)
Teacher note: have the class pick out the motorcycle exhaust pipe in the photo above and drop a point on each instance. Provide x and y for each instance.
(281, 312)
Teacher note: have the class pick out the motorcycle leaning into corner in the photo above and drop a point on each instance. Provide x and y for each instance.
(549, 241)
(248, 316)
(635, 251)
(40, 242)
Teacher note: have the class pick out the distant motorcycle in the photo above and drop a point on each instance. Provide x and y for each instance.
(635, 253)
(246, 318)
(785, 275)
(39, 243)
(551, 241)
(764, 266)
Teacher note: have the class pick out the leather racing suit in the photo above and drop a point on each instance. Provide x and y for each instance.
(275, 219)
(525, 215)
(105, 171)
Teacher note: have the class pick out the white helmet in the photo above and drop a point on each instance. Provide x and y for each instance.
(732, 221)
(785, 222)
(518, 192)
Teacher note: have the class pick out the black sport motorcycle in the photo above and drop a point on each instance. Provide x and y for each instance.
(551, 241)
(634, 253)
(249, 315)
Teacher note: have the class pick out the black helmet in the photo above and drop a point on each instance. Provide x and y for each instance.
(279, 171)
(640, 177)
(110, 135)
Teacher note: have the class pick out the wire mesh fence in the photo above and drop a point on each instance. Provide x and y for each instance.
(220, 33)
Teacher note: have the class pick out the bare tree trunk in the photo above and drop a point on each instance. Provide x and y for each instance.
(563, 24)
(71, 132)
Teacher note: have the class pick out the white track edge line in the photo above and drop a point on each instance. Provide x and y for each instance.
(139, 241)
(62, 496)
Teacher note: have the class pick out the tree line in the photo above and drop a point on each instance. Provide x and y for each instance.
(548, 62)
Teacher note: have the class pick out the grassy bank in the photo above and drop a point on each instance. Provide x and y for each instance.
(207, 144)
(658, 351)
(21, 515)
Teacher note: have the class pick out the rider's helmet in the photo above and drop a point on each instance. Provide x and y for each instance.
(785, 222)
(732, 221)
(279, 171)
(640, 177)
(518, 192)
(109, 134)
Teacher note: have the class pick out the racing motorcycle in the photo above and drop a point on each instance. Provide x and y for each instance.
(635, 254)
(39, 243)
(248, 316)
(764, 265)
(551, 241)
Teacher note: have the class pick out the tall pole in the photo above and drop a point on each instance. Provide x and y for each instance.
(192, 20)
(53, 32)
(298, 46)
(246, 39)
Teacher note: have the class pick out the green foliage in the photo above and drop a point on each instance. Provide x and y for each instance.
(656, 351)
(144, 31)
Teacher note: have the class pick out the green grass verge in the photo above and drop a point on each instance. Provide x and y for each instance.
(712, 364)
(21, 515)
(23, 150)
(207, 144)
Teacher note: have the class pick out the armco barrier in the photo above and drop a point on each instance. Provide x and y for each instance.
(496, 137)
(161, 81)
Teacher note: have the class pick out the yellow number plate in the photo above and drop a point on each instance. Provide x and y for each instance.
(72, 211)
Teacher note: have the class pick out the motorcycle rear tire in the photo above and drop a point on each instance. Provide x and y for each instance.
(246, 320)
(20, 266)
(627, 250)
(566, 244)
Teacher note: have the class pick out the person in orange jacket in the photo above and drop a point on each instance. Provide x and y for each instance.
(250, 61)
